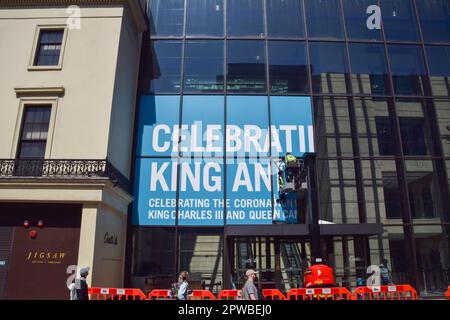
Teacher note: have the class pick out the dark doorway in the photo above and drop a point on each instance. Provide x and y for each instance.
(280, 263)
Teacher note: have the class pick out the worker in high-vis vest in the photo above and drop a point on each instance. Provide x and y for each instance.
(281, 179)
(289, 159)
(287, 171)
(290, 164)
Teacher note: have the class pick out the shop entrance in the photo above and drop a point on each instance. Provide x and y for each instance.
(280, 263)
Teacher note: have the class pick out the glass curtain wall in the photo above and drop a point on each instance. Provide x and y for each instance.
(380, 102)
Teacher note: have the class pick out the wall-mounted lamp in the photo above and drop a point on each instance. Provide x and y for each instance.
(33, 234)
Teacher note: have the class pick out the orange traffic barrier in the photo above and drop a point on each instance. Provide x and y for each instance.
(393, 292)
(201, 295)
(230, 295)
(159, 295)
(116, 294)
(319, 294)
(447, 294)
(273, 294)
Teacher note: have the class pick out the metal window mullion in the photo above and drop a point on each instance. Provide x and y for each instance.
(401, 171)
(313, 216)
(227, 259)
(439, 164)
(354, 129)
(269, 90)
(181, 92)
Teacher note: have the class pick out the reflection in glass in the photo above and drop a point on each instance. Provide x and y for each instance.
(369, 71)
(329, 67)
(205, 18)
(399, 20)
(434, 258)
(287, 67)
(166, 17)
(424, 190)
(381, 190)
(204, 66)
(154, 256)
(413, 137)
(407, 68)
(385, 136)
(200, 255)
(324, 19)
(400, 268)
(435, 19)
(374, 139)
(414, 128)
(285, 18)
(442, 108)
(337, 191)
(439, 65)
(356, 20)
(246, 70)
(165, 70)
(245, 18)
(333, 127)
(392, 196)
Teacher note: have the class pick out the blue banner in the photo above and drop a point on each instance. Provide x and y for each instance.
(185, 149)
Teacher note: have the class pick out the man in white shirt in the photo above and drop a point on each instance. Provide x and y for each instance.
(183, 289)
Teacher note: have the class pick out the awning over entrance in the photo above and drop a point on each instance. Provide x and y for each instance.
(296, 230)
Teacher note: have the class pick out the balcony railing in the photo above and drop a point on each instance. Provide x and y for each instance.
(41, 168)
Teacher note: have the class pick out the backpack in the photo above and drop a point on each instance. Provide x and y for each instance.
(174, 288)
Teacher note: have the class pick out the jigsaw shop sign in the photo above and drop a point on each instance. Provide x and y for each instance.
(194, 164)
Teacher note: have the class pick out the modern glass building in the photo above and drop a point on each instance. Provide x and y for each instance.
(228, 86)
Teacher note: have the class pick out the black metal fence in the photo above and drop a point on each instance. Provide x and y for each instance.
(42, 168)
(431, 281)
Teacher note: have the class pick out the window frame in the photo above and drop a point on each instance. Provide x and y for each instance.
(23, 140)
(190, 45)
(30, 102)
(272, 71)
(230, 55)
(36, 42)
(188, 25)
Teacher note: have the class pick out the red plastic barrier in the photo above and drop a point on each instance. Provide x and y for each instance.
(394, 292)
(447, 294)
(116, 294)
(230, 295)
(158, 294)
(319, 294)
(201, 295)
(273, 294)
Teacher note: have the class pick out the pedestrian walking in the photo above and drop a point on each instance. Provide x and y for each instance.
(81, 287)
(180, 289)
(249, 292)
(385, 273)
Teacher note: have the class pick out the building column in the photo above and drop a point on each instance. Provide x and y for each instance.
(87, 239)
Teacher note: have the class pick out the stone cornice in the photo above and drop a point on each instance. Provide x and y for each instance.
(21, 3)
(135, 6)
(43, 91)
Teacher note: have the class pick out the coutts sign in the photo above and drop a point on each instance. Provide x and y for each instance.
(110, 239)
